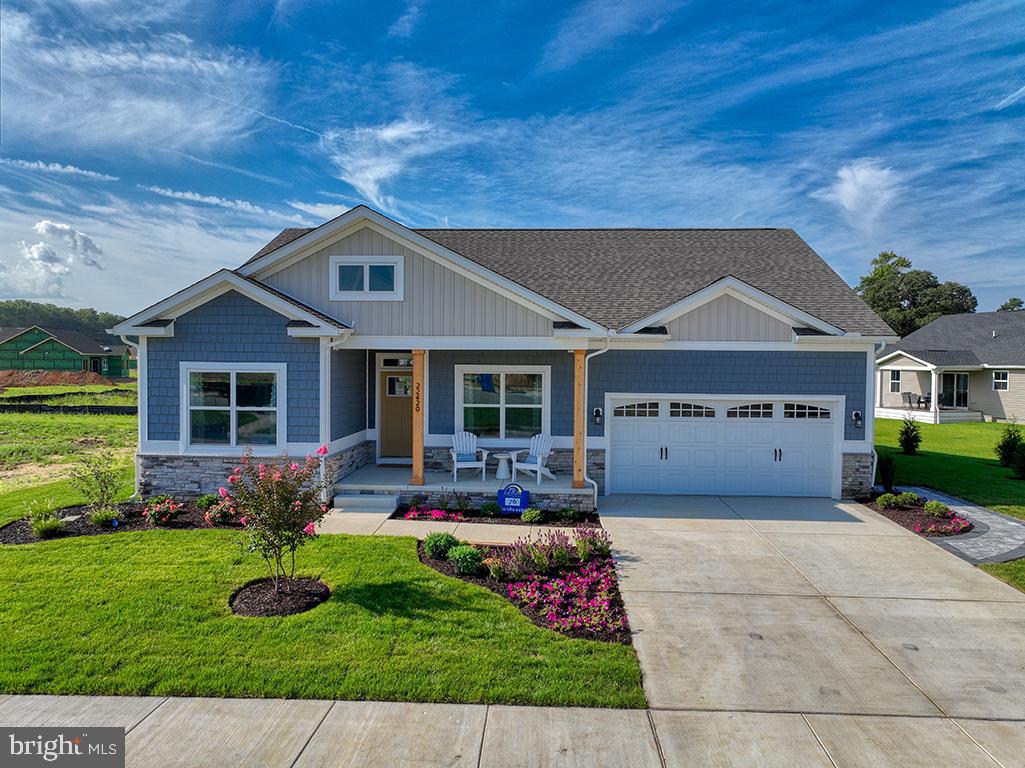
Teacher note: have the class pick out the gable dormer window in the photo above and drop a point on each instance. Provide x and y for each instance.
(366, 278)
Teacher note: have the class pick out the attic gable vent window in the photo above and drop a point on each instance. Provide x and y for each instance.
(366, 278)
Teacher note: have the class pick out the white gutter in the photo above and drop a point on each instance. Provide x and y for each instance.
(587, 361)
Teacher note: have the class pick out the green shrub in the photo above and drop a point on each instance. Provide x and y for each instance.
(161, 510)
(887, 469)
(888, 501)
(490, 509)
(592, 543)
(908, 499)
(97, 478)
(437, 545)
(532, 515)
(910, 437)
(1018, 462)
(467, 560)
(106, 517)
(207, 500)
(1010, 439)
(44, 521)
(567, 515)
(937, 508)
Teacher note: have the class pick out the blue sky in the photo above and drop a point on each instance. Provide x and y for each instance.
(144, 145)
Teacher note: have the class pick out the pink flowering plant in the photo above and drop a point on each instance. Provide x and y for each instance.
(583, 600)
(161, 510)
(423, 513)
(950, 526)
(279, 505)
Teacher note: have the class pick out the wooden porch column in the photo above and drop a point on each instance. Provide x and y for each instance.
(579, 418)
(418, 418)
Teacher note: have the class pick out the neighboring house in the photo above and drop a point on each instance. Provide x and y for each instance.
(701, 361)
(975, 361)
(58, 349)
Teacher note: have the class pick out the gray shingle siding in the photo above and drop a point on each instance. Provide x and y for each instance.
(728, 372)
(233, 329)
(348, 392)
(668, 371)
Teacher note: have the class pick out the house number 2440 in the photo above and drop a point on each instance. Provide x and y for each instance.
(417, 397)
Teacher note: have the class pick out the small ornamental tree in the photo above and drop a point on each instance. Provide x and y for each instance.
(279, 507)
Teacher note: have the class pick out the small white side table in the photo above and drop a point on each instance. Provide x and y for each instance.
(502, 472)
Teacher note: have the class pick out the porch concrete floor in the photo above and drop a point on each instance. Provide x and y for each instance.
(395, 479)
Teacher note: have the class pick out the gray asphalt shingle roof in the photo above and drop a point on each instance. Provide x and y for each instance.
(977, 338)
(616, 277)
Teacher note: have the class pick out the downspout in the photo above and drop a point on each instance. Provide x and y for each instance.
(587, 361)
(139, 415)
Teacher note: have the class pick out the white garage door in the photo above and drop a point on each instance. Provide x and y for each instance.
(780, 447)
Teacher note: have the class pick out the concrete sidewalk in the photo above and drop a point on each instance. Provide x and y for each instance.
(271, 733)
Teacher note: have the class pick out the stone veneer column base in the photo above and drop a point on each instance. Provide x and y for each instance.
(856, 476)
(348, 461)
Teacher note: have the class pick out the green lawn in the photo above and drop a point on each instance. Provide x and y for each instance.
(957, 459)
(46, 438)
(64, 389)
(16, 503)
(1013, 572)
(147, 613)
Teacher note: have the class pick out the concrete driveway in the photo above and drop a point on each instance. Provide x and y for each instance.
(815, 608)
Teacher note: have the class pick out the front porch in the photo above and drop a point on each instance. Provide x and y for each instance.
(929, 416)
(390, 480)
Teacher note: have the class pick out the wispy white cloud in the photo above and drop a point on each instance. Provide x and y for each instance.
(240, 206)
(368, 157)
(596, 24)
(322, 211)
(863, 190)
(86, 90)
(1018, 95)
(43, 167)
(405, 25)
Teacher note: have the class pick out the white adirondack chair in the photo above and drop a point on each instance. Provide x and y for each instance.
(464, 452)
(538, 453)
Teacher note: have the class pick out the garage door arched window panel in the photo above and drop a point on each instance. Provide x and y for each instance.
(750, 411)
(690, 411)
(805, 411)
(643, 410)
(503, 402)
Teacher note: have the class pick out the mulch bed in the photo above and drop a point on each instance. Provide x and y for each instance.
(20, 531)
(909, 517)
(258, 598)
(584, 519)
(500, 588)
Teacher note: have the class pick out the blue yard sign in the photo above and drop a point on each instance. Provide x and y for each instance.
(513, 499)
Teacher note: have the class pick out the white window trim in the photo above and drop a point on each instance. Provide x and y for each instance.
(1006, 381)
(398, 262)
(896, 381)
(205, 449)
(546, 400)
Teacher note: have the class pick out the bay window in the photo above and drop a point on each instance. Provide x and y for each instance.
(503, 402)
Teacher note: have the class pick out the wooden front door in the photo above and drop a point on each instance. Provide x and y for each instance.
(395, 432)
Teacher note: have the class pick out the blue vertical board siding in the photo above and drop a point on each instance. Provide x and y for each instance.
(441, 383)
(726, 373)
(348, 392)
(233, 329)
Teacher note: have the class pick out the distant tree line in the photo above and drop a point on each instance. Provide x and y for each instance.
(19, 313)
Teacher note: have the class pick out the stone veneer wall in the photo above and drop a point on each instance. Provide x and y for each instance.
(348, 461)
(582, 502)
(196, 475)
(560, 462)
(856, 475)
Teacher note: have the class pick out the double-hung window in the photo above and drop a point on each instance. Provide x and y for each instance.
(894, 382)
(233, 406)
(503, 402)
(366, 278)
(1001, 381)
